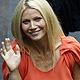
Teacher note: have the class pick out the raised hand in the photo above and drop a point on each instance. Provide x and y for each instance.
(12, 60)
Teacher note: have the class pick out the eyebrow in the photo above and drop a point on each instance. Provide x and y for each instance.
(33, 18)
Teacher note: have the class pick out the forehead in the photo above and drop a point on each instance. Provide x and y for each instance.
(31, 12)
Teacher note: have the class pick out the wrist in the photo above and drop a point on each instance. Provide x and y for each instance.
(14, 75)
(14, 71)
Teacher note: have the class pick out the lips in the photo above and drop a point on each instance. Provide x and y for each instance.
(34, 32)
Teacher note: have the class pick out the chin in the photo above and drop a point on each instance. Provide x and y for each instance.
(35, 39)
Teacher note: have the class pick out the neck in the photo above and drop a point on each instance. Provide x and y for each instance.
(41, 46)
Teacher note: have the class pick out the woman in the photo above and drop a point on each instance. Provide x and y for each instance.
(40, 49)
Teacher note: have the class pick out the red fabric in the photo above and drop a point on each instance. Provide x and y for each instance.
(63, 70)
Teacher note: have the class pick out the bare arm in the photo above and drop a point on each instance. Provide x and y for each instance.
(76, 72)
(12, 60)
(14, 75)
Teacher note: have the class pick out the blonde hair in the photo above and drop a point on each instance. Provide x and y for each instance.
(53, 26)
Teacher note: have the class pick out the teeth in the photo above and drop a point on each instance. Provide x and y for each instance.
(34, 33)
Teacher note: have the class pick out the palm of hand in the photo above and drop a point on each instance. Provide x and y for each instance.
(12, 60)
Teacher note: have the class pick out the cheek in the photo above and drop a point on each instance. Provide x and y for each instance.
(24, 28)
(43, 24)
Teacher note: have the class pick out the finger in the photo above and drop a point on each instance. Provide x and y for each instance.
(8, 44)
(3, 47)
(17, 50)
(1, 53)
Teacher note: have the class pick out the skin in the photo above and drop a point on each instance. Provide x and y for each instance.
(12, 60)
(76, 72)
(33, 27)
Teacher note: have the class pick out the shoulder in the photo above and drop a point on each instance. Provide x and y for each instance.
(68, 39)
(70, 43)
(72, 47)
(70, 50)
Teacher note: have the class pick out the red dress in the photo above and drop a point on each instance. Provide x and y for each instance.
(63, 70)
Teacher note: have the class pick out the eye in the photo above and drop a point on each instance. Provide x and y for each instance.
(38, 18)
(25, 21)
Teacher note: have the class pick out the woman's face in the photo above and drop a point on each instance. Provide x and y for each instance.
(33, 24)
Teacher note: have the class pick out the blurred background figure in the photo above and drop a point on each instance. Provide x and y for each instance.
(68, 13)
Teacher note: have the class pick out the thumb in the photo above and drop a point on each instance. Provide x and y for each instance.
(17, 50)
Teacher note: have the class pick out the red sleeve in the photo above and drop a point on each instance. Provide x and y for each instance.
(71, 51)
(76, 52)
(5, 71)
(69, 60)
(22, 66)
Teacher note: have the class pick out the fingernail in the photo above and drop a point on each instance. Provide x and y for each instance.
(2, 42)
(1, 50)
(5, 38)
(17, 46)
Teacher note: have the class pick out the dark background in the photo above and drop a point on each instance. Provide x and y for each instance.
(7, 8)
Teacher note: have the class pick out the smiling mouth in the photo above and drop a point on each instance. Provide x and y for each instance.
(34, 32)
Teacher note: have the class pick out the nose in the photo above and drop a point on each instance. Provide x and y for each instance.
(32, 26)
